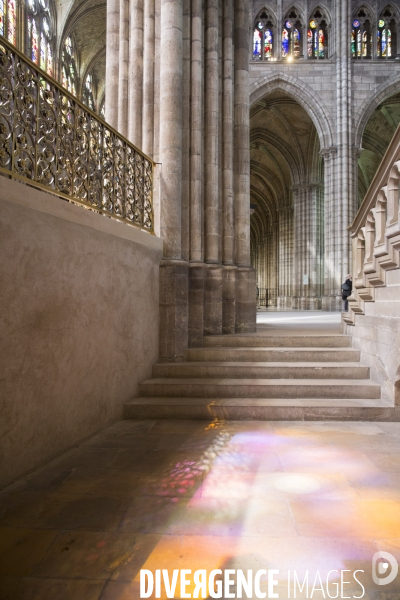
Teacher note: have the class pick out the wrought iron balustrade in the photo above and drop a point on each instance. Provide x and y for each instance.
(55, 143)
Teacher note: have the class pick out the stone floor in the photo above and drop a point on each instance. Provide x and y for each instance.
(205, 495)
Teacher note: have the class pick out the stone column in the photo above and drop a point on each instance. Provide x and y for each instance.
(173, 270)
(279, 27)
(196, 266)
(229, 270)
(339, 202)
(213, 272)
(148, 78)
(123, 67)
(245, 278)
(285, 251)
(112, 63)
(136, 73)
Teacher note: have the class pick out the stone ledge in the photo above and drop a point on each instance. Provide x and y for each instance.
(29, 197)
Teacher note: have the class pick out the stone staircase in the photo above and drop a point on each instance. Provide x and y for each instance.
(265, 377)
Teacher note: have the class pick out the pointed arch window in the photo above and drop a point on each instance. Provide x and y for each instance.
(317, 36)
(39, 34)
(69, 66)
(291, 36)
(8, 20)
(263, 37)
(88, 92)
(386, 35)
(361, 35)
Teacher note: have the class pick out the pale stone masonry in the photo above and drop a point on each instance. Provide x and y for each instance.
(188, 107)
(339, 94)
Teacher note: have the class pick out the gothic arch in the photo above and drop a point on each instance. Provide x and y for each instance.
(324, 9)
(301, 93)
(368, 106)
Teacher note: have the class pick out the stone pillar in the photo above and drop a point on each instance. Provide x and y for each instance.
(213, 272)
(340, 201)
(229, 272)
(245, 280)
(196, 266)
(279, 27)
(112, 62)
(148, 78)
(173, 270)
(123, 67)
(285, 250)
(136, 73)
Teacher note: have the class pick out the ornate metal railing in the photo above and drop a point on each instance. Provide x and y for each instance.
(53, 142)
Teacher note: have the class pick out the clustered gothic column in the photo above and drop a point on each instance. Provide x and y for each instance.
(340, 170)
(285, 260)
(309, 243)
(188, 87)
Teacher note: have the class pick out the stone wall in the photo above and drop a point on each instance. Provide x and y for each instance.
(79, 323)
(340, 94)
(377, 335)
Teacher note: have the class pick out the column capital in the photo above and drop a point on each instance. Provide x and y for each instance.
(328, 153)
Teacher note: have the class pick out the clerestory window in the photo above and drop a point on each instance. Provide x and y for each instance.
(317, 36)
(361, 35)
(263, 37)
(69, 66)
(39, 34)
(88, 92)
(386, 35)
(8, 20)
(291, 36)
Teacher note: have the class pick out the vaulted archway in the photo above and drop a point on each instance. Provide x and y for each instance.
(287, 224)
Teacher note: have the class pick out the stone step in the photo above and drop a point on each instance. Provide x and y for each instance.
(262, 370)
(273, 409)
(260, 388)
(278, 341)
(265, 354)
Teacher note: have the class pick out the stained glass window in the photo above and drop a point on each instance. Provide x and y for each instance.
(386, 35)
(69, 69)
(87, 92)
(296, 42)
(361, 40)
(257, 43)
(39, 34)
(34, 42)
(317, 35)
(263, 37)
(291, 36)
(285, 43)
(8, 20)
(268, 50)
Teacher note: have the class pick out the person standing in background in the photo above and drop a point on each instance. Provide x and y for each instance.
(347, 287)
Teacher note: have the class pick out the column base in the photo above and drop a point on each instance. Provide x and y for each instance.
(284, 302)
(196, 305)
(332, 303)
(174, 275)
(212, 299)
(246, 300)
(228, 298)
(306, 303)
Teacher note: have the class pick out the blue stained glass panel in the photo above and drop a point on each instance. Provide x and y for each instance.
(285, 42)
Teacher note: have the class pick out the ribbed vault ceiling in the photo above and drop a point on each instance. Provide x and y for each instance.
(377, 135)
(284, 149)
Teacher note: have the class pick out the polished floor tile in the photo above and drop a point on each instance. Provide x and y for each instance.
(298, 497)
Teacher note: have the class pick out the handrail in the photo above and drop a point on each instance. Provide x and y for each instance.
(53, 142)
(375, 232)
